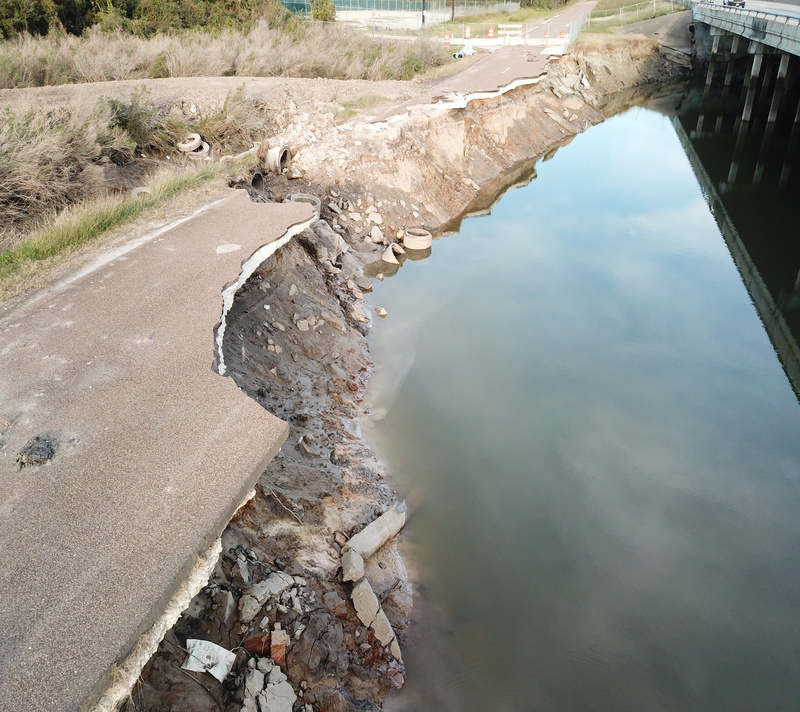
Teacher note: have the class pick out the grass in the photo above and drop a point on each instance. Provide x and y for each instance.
(522, 16)
(328, 50)
(79, 225)
(616, 13)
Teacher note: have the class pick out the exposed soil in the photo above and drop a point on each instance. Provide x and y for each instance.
(296, 342)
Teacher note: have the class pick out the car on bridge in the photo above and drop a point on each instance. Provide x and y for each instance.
(733, 3)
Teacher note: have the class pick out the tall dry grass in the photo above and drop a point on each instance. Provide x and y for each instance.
(50, 159)
(313, 50)
(42, 157)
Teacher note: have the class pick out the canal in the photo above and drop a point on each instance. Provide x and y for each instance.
(598, 433)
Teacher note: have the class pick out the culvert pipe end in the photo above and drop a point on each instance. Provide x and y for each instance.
(417, 238)
(279, 159)
(312, 200)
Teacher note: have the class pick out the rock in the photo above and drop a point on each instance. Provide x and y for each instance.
(363, 282)
(292, 290)
(355, 216)
(320, 648)
(371, 614)
(293, 172)
(265, 665)
(377, 533)
(334, 321)
(277, 698)
(249, 705)
(272, 586)
(375, 218)
(380, 276)
(276, 675)
(388, 256)
(249, 608)
(352, 565)
(280, 639)
(357, 313)
(254, 683)
(376, 234)
(302, 325)
(381, 312)
(398, 248)
(240, 573)
(335, 604)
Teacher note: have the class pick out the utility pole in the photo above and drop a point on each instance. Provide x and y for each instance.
(423, 13)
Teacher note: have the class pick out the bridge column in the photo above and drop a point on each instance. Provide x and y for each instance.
(752, 81)
(731, 61)
(780, 89)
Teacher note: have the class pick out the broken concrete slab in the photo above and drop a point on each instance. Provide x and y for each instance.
(352, 565)
(377, 533)
(120, 351)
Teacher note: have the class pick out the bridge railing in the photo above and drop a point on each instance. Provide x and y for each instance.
(772, 17)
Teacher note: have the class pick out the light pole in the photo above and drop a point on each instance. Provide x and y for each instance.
(423, 13)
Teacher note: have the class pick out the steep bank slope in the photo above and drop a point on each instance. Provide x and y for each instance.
(297, 343)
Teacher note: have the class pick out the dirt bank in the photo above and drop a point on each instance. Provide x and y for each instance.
(297, 344)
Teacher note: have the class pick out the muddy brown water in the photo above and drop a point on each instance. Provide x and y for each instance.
(597, 436)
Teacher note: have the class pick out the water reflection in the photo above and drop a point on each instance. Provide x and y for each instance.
(600, 445)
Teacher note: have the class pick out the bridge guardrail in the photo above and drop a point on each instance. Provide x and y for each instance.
(785, 19)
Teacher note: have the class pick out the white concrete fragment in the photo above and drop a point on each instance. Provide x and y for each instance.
(388, 256)
(382, 628)
(279, 698)
(371, 614)
(249, 608)
(205, 656)
(357, 312)
(274, 585)
(254, 683)
(365, 602)
(377, 533)
(352, 566)
(276, 675)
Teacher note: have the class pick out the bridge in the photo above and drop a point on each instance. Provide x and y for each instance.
(759, 42)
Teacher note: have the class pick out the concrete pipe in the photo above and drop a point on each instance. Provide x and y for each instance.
(191, 143)
(417, 238)
(203, 151)
(278, 159)
(312, 200)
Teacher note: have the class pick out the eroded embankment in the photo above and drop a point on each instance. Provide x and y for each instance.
(296, 342)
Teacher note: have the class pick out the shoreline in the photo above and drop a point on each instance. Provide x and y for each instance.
(297, 343)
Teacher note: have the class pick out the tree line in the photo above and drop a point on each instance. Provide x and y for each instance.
(142, 17)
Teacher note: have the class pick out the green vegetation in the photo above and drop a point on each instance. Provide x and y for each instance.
(143, 17)
(615, 13)
(80, 224)
(323, 10)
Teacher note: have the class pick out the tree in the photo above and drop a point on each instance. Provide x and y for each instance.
(323, 10)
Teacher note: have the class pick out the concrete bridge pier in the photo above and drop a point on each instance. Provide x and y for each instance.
(731, 62)
(780, 89)
(751, 81)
